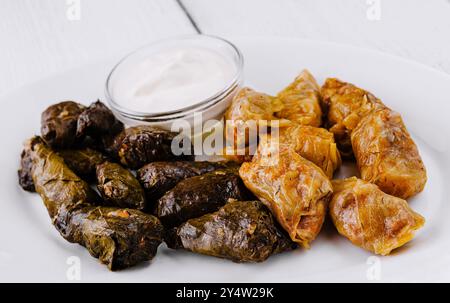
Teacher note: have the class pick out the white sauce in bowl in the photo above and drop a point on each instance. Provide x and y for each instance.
(173, 79)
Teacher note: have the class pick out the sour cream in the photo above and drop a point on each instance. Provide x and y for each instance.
(172, 79)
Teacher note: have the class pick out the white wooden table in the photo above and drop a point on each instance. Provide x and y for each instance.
(42, 37)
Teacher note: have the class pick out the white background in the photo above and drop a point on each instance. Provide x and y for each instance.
(38, 37)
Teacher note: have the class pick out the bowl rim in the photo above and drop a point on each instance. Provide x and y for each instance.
(181, 112)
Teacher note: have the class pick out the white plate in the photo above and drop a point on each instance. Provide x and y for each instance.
(32, 250)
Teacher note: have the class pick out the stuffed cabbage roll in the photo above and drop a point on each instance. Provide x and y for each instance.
(293, 188)
(371, 219)
(312, 143)
(199, 195)
(82, 162)
(345, 105)
(136, 146)
(239, 231)
(159, 177)
(119, 187)
(387, 156)
(59, 124)
(118, 237)
(301, 101)
(248, 111)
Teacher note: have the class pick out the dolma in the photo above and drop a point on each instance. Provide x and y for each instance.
(301, 101)
(199, 195)
(159, 177)
(295, 190)
(96, 121)
(312, 143)
(24, 172)
(371, 219)
(249, 111)
(118, 237)
(136, 146)
(345, 105)
(83, 162)
(239, 231)
(119, 187)
(387, 156)
(59, 124)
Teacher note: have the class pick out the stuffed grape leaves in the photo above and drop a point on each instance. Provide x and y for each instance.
(159, 177)
(118, 237)
(345, 105)
(239, 231)
(119, 187)
(371, 219)
(59, 124)
(82, 162)
(293, 188)
(199, 195)
(136, 146)
(96, 121)
(387, 156)
(301, 101)
(24, 173)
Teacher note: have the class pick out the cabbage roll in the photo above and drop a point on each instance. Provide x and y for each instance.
(248, 111)
(301, 101)
(293, 188)
(239, 231)
(345, 105)
(387, 156)
(312, 143)
(371, 219)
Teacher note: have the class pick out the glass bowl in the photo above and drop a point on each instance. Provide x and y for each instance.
(210, 108)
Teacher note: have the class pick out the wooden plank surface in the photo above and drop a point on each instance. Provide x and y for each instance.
(413, 29)
(40, 38)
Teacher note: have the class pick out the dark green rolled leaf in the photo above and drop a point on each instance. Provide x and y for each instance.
(24, 173)
(82, 162)
(199, 195)
(59, 124)
(136, 146)
(159, 177)
(118, 237)
(239, 231)
(119, 187)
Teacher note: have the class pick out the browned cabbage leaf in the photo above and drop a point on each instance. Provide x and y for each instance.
(387, 156)
(371, 219)
(345, 105)
(301, 101)
(293, 188)
(312, 143)
(248, 111)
